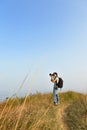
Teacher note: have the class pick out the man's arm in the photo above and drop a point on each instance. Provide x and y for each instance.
(55, 80)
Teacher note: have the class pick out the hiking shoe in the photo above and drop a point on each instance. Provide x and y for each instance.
(55, 103)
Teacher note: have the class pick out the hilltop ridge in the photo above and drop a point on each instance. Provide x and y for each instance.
(37, 112)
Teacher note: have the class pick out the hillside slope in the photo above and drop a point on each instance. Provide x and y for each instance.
(37, 112)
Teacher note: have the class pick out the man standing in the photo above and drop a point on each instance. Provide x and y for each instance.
(55, 80)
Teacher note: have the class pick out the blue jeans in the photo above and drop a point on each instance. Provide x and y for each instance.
(55, 95)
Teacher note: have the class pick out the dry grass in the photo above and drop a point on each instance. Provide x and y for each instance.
(76, 114)
(38, 113)
(34, 115)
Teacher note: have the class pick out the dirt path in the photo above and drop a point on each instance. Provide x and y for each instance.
(60, 116)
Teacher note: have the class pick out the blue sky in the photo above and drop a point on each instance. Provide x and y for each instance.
(50, 31)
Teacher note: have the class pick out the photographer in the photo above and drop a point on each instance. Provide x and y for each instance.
(55, 80)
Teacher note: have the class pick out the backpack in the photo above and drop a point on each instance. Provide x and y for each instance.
(60, 83)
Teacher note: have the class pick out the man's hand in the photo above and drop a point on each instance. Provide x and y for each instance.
(53, 80)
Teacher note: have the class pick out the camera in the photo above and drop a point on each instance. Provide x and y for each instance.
(50, 74)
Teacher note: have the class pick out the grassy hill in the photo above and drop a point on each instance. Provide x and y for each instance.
(37, 112)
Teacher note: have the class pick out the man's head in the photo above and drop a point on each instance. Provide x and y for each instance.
(53, 76)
